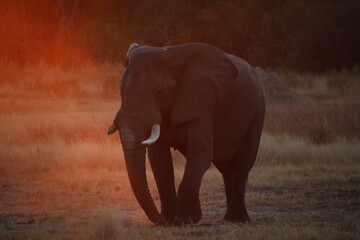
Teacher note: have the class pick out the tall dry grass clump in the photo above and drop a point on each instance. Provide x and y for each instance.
(104, 226)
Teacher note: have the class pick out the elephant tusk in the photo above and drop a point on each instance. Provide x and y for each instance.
(154, 136)
(112, 129)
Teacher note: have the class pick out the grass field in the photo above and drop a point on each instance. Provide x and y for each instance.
(63, 177)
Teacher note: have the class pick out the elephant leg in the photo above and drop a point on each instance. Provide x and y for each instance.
(243, 162)
(199, 156)
(236, 210)
(227, 177)
(189, 209)
(223, 167)
(162, 166)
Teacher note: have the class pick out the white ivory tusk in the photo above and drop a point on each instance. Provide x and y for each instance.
(154, 136)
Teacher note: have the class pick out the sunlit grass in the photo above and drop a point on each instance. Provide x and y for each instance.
(58, 138)
(39, 80)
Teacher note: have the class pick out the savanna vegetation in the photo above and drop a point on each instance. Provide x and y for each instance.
(63, 177)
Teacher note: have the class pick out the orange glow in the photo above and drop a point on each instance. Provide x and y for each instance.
(56, 103)
(41, 31)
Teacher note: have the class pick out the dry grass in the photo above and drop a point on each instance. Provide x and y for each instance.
(329, 85)
(226, 231)
(318, 122)
(109, 227)
(40, 80)
(63, 138)
(290, 150)
(62, 176)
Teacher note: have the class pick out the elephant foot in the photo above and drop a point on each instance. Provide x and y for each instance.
(169, 215)
(183, 218)
(188, 213)
(240, 215)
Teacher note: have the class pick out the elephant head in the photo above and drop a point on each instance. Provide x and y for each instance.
(169, 85)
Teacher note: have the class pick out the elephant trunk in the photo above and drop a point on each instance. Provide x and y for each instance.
(135, 164)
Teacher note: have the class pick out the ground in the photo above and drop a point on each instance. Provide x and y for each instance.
(63, 177)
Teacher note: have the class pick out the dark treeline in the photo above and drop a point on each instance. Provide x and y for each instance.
(296, 34)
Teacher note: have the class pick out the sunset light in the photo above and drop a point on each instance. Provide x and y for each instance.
(208, 87)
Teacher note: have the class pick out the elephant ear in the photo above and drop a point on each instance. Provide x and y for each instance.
(206, 76)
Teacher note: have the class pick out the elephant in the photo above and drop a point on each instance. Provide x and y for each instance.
(201, 101)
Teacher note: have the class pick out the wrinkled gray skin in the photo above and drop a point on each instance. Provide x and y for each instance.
(210, 107)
